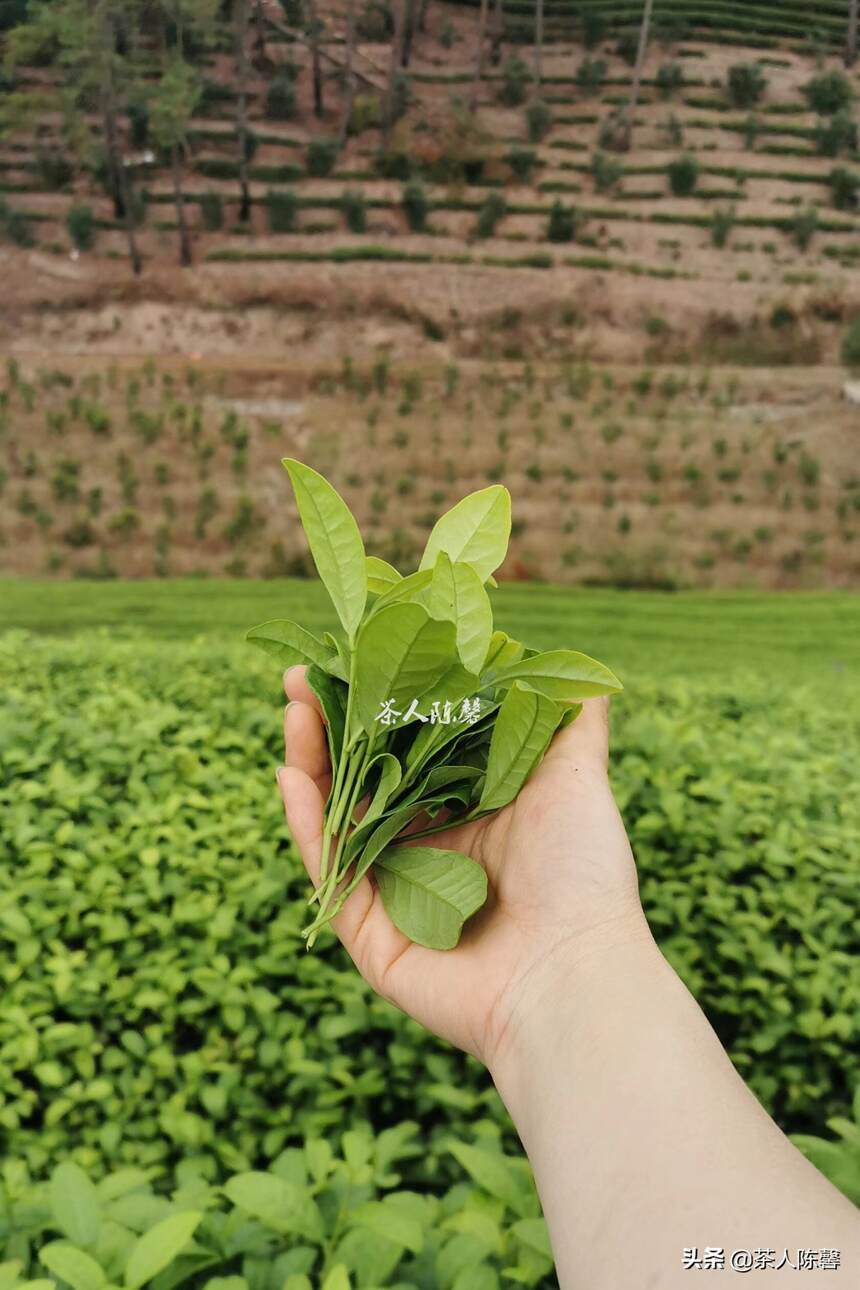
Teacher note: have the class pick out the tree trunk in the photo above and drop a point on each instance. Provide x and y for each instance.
(538, 42)
(479, 60)
(497, 34)
(260, 29)
(113, 169)
(408, 32)
(185, 257)
(120, 178)
(851, 43)
(240, 18)
(349, 79)
(630, 115)
(388, 114)
(314, 34)
(114, 149)
(422, 16)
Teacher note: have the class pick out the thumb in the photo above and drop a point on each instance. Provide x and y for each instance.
(585, 742)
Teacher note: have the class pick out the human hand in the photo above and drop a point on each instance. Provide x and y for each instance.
(562, 884)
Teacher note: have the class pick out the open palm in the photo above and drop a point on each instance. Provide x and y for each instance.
(560, 876)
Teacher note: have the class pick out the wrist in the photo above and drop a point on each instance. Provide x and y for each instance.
(556, 992)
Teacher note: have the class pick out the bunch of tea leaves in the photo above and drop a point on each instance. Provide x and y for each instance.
(428, 710)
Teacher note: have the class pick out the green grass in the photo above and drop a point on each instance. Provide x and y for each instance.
(792, 636)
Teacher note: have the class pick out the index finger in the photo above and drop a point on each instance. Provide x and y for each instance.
(296, 687)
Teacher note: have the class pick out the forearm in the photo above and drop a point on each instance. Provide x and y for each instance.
(645, 1141)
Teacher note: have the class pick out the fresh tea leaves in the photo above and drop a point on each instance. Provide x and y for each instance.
(432, 717)
(429, 893)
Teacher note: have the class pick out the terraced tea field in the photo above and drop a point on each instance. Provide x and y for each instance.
(488, 200)
(648, 477)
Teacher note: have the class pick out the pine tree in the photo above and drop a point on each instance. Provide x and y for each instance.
(177, 95)
(240, 43)
(633, 104)
(851, 42)
(98, 74)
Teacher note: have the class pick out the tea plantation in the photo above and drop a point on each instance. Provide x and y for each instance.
(187, 1095)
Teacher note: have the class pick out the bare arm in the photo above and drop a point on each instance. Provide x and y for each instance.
(644, 1139)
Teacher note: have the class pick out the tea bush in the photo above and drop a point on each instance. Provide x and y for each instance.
(212, 211)
(605, 171)
(281, 98)
(81, 226)
(836, 134)
(158, 1002)
(591, 74)
(829, 92)
(492, 210)
(563, 222)
(746, 84)
(321, 156)
(340, 1217)
(670, 77)
(844, 186)
(282, 206)
(538, 120)
(416, 205)
(683, 175)
(354, 208)
(850, 347)
(515, 74)
(803, 226)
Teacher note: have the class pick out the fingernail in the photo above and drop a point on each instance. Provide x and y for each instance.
(278, 773)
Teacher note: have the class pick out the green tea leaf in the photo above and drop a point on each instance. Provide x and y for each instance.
(337, 664)
(431, 740)
(475, 531)
(380, 575)
(400, 653)
(73, 1265)
(337, 1279)
(524, 726)
(561, 674)
(368, 839)
(159, 1247)
(10, 1274)
(288, 643)
(428, 893)
(407, 589)
(332, 697)
(494, 1172)
(532, 1232)
(384, 1220)
(75, 1204)
(480, 1277)
(278, 1204)
(390, 774)
(502, 652)
(458, 1259)
(457, 593)
(334, 540)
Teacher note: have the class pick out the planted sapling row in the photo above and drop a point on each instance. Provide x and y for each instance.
(433, 718)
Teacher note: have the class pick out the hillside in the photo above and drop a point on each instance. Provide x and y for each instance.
(467, 248)
(637, 248)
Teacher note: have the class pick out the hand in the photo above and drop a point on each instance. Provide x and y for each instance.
(561, 877)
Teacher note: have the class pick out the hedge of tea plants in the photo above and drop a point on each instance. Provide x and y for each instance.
(159, 1012)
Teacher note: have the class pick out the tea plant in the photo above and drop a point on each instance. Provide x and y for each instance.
(422, 640)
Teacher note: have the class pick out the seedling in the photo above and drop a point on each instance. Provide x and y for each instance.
(478, 708)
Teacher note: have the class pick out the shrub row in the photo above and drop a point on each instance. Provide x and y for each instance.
(157, 997)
